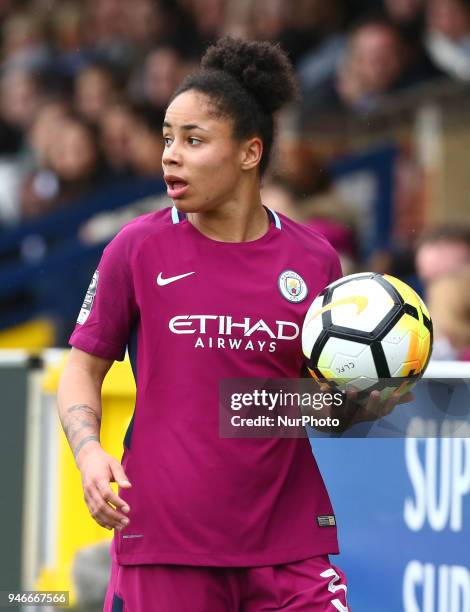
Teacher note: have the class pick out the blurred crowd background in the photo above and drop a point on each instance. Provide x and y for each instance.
(374, 155)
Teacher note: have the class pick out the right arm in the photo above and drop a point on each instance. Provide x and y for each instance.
(79, 407)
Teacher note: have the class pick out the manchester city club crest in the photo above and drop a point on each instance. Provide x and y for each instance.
(292, 286)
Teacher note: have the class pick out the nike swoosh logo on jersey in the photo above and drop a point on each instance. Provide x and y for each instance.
(161, 282)
(360, 301)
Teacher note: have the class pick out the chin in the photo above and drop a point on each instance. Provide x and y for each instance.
(190, 206)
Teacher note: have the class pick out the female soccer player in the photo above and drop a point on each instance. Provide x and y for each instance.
(214, 287)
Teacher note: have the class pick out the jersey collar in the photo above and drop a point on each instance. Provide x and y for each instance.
(177, 216)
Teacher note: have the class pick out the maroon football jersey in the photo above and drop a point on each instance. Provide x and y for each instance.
(192, 311)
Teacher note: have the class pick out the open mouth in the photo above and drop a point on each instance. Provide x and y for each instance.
(175, 187)
(176, 184)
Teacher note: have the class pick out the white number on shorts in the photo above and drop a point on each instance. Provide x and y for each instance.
(333, 588)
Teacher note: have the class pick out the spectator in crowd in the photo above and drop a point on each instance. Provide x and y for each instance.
(66, 25)
(33, 157)
(24, 42)
(105, 20)
(379, 63)
(68, 38)
(20, 95)
(209, 17)
(309, 33)
(105, 33)
(442, 250)
(375, 64)
(163, 69)
(45, 129)
(116, 130)
(73, 169)
(448, 36)
(448, 300)
(316, 41)
(145, 23)
(263, 18)
(408, 16)
(120, 32)
(146, 145)
(95, 90)
(370, 67)
(311, 29)
(145, 148)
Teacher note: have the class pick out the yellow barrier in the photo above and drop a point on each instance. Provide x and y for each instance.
(33, 336)
(75, 528)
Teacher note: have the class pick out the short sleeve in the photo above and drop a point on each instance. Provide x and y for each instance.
(109, 310)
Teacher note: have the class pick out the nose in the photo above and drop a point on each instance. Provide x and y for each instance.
(171, 155)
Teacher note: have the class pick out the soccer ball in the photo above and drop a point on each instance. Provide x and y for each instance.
(364, 330)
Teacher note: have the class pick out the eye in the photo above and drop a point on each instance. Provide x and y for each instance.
(194, 141)
(167, 140)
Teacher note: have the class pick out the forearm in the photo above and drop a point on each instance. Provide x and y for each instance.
(79, 407)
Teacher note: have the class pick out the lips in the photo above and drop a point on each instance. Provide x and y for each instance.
(176, 186)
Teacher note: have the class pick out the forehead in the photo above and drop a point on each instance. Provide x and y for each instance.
(195, 108)
(373, 35)
(441, 257)
(443, 248)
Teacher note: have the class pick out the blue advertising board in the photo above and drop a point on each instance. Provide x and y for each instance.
(403, 512)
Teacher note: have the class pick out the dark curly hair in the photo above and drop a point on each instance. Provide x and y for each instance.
(247, 82)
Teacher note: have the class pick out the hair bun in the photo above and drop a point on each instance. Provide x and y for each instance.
(262, 68)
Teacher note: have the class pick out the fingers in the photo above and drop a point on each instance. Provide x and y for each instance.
(359, 411)
(110, 497)
(373, 407)
(355, 410)
(98, 497)
(379, 408)
(406, 398)
(351, 394)
(396, 399)
(101, 498)
(119, 475)
(105, 506)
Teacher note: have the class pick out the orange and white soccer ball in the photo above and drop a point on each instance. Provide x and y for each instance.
(369, 331)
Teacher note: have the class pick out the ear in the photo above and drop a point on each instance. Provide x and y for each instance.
(251, 152)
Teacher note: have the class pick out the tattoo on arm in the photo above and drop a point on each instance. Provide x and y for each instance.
(82, 443)
(77, 420)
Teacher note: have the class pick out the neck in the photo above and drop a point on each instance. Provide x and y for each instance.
(241, 219)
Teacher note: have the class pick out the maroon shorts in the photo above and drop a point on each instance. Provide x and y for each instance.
(304, 586)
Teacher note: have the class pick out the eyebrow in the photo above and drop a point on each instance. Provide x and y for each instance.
(188, 126)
